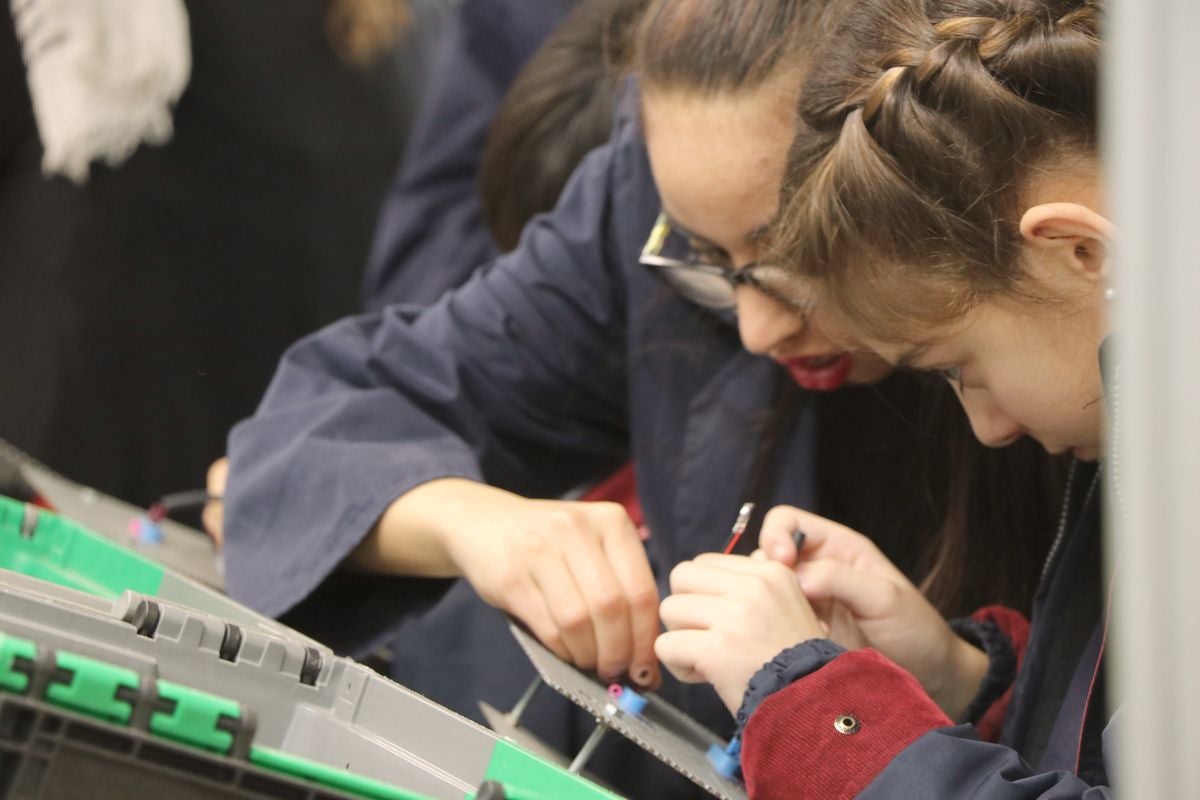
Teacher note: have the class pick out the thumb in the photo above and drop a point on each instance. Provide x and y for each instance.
(781, 537)
(868, 596)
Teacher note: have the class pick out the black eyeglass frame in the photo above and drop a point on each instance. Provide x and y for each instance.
(652, 258)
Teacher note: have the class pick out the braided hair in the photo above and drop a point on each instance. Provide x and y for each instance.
(922, 123)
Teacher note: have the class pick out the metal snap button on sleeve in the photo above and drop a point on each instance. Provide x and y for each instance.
(846, 724)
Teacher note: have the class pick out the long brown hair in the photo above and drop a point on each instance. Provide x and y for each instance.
(922, 123)
(558, 109)
(921, 120)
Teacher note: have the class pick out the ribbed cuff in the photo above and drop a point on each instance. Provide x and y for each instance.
(1002, 663)
(784, 669)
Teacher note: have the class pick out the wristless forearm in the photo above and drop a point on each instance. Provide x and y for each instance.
(967, 668)
(413, 535)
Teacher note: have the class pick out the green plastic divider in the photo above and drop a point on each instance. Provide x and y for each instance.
(12, 648)
(526, 777)
(93, 688)
(195, 717)
(327, 776)
(69, 555)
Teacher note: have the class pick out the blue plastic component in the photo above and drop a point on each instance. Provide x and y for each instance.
(146, 531)
(728, 761)
(631, 702)
(735, 748)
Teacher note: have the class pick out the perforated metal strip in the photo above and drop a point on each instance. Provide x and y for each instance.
(662, 730)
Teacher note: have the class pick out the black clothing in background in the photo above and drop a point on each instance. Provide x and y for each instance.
(143, 313)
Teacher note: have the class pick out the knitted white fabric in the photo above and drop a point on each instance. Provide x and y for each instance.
(103, 75)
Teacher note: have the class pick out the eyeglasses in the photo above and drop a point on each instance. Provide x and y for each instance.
(697, 276)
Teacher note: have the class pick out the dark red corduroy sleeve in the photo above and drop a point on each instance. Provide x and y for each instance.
(1013, 625)
(792, 748)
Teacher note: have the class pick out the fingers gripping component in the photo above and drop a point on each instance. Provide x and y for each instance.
(659, 728)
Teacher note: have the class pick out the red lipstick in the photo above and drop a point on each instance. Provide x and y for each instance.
(820, 373)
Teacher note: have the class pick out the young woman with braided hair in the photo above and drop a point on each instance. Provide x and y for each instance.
(943, 203)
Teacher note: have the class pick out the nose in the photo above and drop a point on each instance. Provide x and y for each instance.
(992, 427)
(764, 323)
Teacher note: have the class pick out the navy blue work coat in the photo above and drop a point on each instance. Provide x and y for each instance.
(550, 367)
(431, 233)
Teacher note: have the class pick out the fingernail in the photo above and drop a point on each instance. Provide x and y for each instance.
(643, 532)
(643, 675)
(798, 538)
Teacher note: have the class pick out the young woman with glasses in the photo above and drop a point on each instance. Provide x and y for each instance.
(396, 452)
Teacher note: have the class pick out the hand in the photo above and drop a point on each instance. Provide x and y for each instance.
(866, 602)
(727, 616)
(575, 573)
(213, 515)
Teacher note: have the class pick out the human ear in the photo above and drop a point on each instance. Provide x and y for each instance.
(1073, 231)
